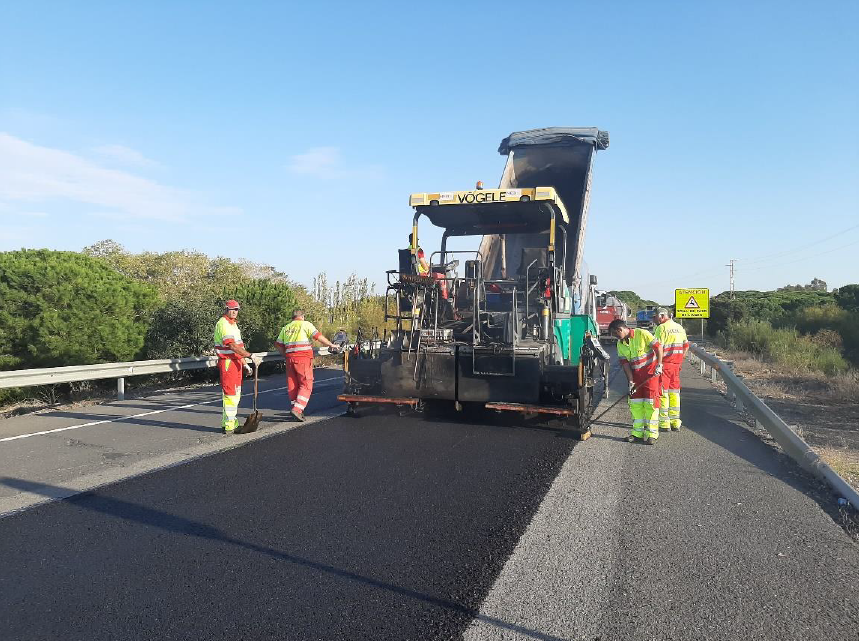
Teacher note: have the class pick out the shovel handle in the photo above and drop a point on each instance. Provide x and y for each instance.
(256, 384)
(630, 393)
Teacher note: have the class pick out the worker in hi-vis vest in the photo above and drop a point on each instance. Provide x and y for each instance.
(421, 262)
(231, 354)
(295, 343)
(674, 342)
(641, 359)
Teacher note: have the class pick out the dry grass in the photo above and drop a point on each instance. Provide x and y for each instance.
(778, 381)
(845, 462)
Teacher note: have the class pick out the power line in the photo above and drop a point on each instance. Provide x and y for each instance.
(707, 272)
(800, 248)
(702, 273)
(803, 258)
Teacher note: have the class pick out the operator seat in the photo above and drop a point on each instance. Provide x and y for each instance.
(468, 286)
(407, 266)
(530, 254)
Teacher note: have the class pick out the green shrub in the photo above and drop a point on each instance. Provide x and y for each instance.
(828, 319)
(186, 326)
(183, 327)
(266, 307)
(776, 307)
(785, 346)
(847, 298)
(634, 301)
(810, 320)
(64, 308)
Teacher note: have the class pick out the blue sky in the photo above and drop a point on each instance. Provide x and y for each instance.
(293, 134)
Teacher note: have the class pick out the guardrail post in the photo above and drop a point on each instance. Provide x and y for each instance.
(740, 407)
(712, 374)
(120, 388)
(703, 367)
(730, 392)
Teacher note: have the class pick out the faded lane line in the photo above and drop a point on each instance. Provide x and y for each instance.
(323, 383)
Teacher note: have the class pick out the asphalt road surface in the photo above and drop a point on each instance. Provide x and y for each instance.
(411, 527)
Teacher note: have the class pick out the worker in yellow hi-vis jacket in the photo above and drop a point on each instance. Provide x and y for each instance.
(295, 343)
(674, 345)
(231, 354)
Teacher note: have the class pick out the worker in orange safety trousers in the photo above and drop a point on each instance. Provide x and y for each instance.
(641, 359)
(674, 341)
(231, 354)
(295, 343)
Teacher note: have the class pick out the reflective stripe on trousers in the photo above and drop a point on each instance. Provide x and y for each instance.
(299, 381)
(645, 418)
(229, 418)
(231, 392)
(669, 412)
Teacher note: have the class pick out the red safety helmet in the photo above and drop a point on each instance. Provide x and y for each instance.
(232, 304)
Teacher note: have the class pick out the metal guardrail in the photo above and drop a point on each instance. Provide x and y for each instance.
(795, 447)
(119, 371)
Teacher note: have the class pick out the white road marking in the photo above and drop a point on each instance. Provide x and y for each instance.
(323, 383)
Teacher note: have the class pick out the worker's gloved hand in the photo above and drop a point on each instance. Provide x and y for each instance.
(248, 368)
(631, 387)
(658, 370)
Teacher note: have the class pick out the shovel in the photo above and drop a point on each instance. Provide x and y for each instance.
(252, 421)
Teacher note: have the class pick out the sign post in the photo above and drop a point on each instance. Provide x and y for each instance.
(692, 303)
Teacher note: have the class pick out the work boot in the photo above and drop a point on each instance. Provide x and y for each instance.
(228, 431)
(664, 429)
(631, 438)
(675, 428)
(299, 416)
(650, 440)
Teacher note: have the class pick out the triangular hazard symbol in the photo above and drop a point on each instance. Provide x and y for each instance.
(692, 303)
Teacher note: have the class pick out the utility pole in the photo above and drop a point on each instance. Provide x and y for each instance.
(731, 265)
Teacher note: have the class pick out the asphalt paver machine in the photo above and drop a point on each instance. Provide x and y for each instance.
(511, 324)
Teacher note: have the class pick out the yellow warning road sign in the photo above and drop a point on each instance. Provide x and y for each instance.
(692, 303)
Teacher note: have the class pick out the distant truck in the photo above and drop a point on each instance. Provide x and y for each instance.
(644, 318)
(609, 308)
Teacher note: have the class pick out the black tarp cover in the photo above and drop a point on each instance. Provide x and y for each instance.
(555, 136)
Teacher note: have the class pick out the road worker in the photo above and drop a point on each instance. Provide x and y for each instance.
(231, 354)
(672, 337)
(422, 264)
(295, 343)
(641, 359)
(341, 338)
(479, 185)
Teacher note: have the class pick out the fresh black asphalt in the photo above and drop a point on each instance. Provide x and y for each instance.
(420, 527)
(382, 527)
